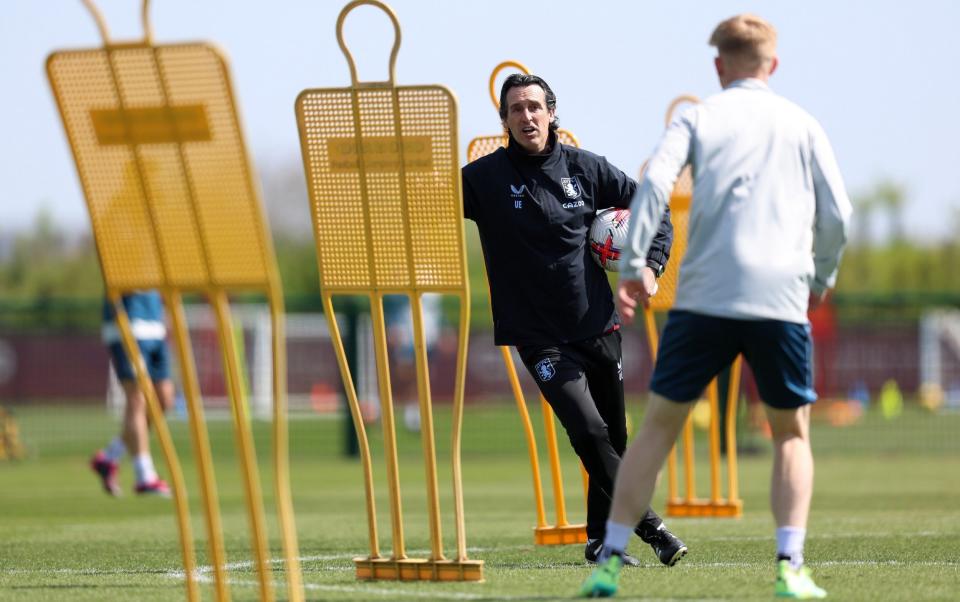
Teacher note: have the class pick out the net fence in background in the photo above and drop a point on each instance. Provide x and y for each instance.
(888, 375)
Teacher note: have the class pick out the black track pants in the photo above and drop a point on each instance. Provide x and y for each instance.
(583, 383)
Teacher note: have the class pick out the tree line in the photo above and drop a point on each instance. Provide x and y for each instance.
(51, 278)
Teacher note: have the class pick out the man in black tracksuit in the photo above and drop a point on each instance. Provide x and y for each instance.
(533, 203)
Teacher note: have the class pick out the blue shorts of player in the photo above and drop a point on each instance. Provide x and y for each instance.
(155, 355)
(695, 347)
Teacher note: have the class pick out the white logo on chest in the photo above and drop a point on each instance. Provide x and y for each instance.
(571, 188)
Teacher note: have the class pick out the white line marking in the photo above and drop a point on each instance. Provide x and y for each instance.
(204, 573)
(814, 563)
(828, 536)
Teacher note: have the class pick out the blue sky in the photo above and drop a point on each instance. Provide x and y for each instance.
(880, 75)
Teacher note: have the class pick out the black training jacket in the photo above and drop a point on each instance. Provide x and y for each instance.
(534, 213)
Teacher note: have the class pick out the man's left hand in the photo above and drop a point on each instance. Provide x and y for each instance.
(629, 292)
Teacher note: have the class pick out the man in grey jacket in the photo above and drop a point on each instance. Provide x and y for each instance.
(768, 224)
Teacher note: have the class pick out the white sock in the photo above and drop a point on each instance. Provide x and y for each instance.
(143, 469)
(790, 544)
(116, 450)
(615, 540)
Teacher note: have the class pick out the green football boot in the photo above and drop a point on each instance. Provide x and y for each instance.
(602, 582)
(796, 583)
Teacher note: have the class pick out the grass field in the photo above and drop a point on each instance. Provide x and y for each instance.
(885, 522)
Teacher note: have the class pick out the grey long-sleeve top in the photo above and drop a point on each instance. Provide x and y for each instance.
(769, 215)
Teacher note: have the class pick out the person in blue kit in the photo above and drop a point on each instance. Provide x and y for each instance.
(145, 311)
(533, 203)
(400, 338)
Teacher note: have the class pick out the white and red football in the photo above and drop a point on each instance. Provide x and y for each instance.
(608, 237)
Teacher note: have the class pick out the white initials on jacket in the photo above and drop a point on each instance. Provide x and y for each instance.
(516, 193)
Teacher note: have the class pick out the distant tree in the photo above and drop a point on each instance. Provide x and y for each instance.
(863, 206)
(285, 200)
(892, 198)
(46, 262)
(887, 196)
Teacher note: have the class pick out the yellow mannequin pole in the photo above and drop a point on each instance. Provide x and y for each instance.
(426, 429)
(733, 491)
(550, 434)
(155, 412)
(201, 444)
(528, 432)
(244, 440)
(387, 423)
(715, 419)
(354, 405)
(457, 427)
(281, 447)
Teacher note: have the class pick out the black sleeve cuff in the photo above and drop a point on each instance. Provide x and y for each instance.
(656, 261)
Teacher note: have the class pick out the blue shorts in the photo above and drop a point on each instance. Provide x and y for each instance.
(155, 355)
(695, 348)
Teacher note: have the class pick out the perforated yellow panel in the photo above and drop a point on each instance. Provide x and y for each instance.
(680, 218)
(481, 146)
(163, 166)
(367, 237)
(680, 200)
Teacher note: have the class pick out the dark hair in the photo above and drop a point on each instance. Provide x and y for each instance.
(522, 80)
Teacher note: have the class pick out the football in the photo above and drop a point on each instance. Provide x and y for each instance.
(608, 237)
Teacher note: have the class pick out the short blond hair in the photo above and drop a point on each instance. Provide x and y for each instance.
(746, 40)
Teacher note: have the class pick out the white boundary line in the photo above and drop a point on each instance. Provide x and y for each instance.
(810, 536)
(204, 573)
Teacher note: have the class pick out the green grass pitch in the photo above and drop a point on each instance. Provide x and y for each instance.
(885, 523)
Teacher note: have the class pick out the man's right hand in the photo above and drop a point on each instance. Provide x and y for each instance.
(631, 291)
